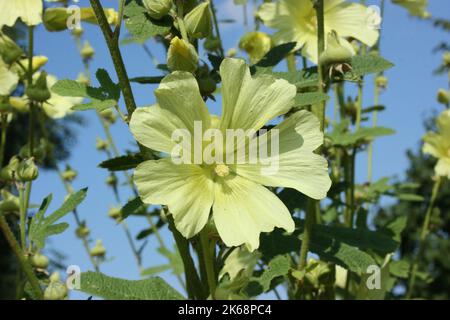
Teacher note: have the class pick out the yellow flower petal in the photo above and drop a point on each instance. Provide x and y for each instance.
(187, 190)
(179, 94)
(8, 80)
(249, 103)
(243, 209)
(297, 167)
(29, 11)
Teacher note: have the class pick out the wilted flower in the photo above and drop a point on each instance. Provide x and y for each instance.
(296, 21)
(29, 11)
(256, 44)
(182, 56)
(241, 206)
(438, 144)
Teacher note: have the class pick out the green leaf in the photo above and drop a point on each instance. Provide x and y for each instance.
(367, 64)
(365, 292)
(131, 207)
(95, 105)
(155, 270)
(147, 80)
(175, 260)
(400, 268)
(70, 88)
(310, 98)
(277, 267)
(340, 136)
(111, 89)
(122, 163)
(42, 227)
(302, 79)
(372, 109)
(275, 55)
(110, 288)
(410, 197)
(141, 26)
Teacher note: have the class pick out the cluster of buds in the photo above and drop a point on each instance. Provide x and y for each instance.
(19, 170)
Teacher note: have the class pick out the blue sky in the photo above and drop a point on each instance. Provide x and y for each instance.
(411, 95)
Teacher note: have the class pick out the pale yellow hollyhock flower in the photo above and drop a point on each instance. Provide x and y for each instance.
(57, 106)
(8, 79)
(29, 11)
(241, 206)
(296, 21)
(438, 144)
(37, 63)
(417, 8)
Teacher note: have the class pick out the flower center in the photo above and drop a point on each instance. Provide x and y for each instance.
(222, 170)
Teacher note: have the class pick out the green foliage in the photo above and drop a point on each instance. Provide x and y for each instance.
(341, 136)
(110, 288)
(122, 163)
(141, 26)
(43, 227)
(310, 98)
(102, 98)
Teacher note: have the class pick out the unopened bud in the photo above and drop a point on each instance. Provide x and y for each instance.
(181, 56)
(9, 173)
(101, 144)
(198, 21)
(114, 213)
(157, 8)
(87, 52)
(443, 96)
(111, 180)
(82, 232)
(38, 91)
(256, 44)
(56, 290)
(381, 82)
(9, 50)
(27, 170)
(98, 250)
(10, 202)
(39, 261)
(69, 174)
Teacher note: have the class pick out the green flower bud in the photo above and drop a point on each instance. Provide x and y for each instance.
(9, 173)
(39, 261)
(87, 52)
(115, 213)
(98, 250)
(83, 79)
(211, 44)
(198, 21)
(381, 82)
(27, 170)
(5, 106)
(443, 96)
(56, 290)
(181, 56)
(10, 203)
(101, 144)
(77, 32)
(111, 180)
(335, 52)
(109, 116)
(157, 8)
(232, 52)
(9, 50)
(82, 232)
(38, 91)
(446, 58)
(256, 44)
(69, 174)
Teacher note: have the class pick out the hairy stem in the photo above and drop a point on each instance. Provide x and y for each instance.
(209, 261)
(21, 258)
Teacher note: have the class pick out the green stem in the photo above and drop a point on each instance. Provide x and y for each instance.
(208, 250)
(4, 122)
(23, 261)
(319, 111)
(194, 286)
(113, 46)
(216, 26)
(136, 253)
(291, 65)
(180, 16)
(422, 237)
(23, 216)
